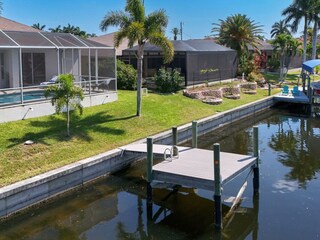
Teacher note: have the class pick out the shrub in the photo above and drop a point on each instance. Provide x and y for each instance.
(126, 76)
(273, 64)
(246, 65)
(256, 77)
(168, 81)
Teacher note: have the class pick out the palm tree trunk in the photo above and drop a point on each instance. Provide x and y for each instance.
(314, 40)
(305, 35)
(139, 69)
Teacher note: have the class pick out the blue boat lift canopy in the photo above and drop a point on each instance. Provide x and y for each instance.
(310, 65)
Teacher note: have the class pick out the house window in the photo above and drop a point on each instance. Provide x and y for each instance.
(33, 68)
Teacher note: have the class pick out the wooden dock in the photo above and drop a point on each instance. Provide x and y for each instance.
(300, 98)
(195, 167)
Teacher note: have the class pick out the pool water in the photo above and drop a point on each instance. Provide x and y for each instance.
(16, 97)
(115, 207)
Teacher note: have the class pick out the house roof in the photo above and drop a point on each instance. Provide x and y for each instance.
(193, 45)
(23, 39)
(10, 25)
(108, 39)
(262, 46)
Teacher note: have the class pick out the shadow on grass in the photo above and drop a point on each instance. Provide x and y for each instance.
(80, 127)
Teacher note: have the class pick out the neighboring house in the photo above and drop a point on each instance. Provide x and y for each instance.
(266, 51)
(190, 57)
(108, 39)
(30, 60)
(10, 25)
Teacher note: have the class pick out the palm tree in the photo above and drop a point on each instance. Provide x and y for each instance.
(280, 28)
(57, 29)
(175, 32)
(138, 27)
(286, 46)
(298, 10)
(65, 94)
(315, 17)
(38, 26)
(237, 32)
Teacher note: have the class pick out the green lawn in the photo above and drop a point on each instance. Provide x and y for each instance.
(99, 129)
(291, 79)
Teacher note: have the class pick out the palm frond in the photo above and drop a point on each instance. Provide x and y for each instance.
(115, 18)
(156, 21)
(136, 10)
(160, 40)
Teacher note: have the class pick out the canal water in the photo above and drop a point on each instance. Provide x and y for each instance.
(115, 207)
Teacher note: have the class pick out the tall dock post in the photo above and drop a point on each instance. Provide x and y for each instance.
(269, 89)
(217, 186)
(174, 136)
(194, 134)
(175, 141)
(256, 155)
(149, 176)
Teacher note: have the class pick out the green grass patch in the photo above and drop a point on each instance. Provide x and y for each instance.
(291, 79)
(99, 129)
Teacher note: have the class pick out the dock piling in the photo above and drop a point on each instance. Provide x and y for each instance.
(194, 134)
(174, 141)
(149, 175)
(217, 186)
(174, 136)
(256, 155)
(269, 89)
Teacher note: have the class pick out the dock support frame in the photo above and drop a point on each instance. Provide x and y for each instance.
(256, 182)
(194, 134)
(149, 177)
(217, 186)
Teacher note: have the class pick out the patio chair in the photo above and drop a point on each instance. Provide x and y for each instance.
(53, 80)
(285, 90)
(295, 91)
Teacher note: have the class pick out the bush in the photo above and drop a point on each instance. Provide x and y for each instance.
(273, 64)
(126, 76)
(168, 81)
(246, 65)
(256, 77)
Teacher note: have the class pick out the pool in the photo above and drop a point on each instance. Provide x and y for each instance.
(13, 98)
(115, 207)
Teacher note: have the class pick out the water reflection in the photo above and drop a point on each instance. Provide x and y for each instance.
(297, 143)
(115, 207)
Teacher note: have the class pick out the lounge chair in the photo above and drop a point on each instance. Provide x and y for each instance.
(285, 90)
(295, 91)
(53, 80)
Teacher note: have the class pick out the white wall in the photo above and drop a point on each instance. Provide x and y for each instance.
(43, 108)
(13, 68)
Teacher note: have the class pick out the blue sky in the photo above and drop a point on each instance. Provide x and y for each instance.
(197, 15)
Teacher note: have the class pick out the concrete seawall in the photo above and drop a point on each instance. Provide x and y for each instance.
(26, 193)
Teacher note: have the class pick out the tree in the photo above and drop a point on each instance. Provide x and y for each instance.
(280, 28)
(298, 10)
(238, 32)
(38, 26)
(315, 17)
(65, 95)
(286, 46)
(138, 27)
(175, 31)
(57, 29)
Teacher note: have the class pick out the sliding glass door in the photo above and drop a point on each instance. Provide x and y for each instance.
(33, 68)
